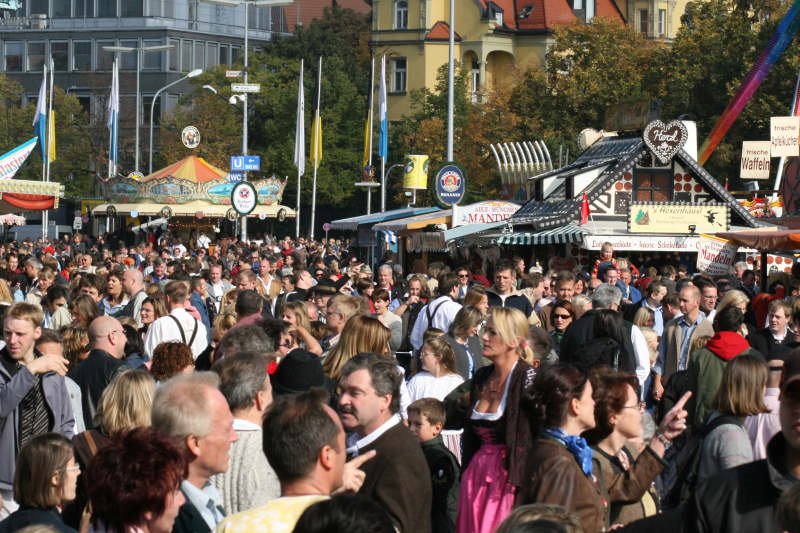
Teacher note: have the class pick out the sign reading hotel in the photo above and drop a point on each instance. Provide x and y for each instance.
(714, 255)
(483, 213)
(677, 218)
(784, 133)
(755, 160)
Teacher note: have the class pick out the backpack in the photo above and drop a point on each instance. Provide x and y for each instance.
(679, 479)
(602, 351)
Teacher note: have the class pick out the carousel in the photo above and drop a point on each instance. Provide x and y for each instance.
(189, 194)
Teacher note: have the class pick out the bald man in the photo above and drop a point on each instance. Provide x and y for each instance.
(133, 285)
(105, 362)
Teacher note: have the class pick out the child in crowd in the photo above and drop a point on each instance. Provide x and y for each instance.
(425, 420)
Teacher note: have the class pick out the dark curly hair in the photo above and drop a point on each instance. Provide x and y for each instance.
(133, 476)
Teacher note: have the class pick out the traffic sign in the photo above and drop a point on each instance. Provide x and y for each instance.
(245, 163)
(246, 87)
(326, 227)
(233, 73)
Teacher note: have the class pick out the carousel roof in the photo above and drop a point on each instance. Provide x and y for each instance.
(193, 168)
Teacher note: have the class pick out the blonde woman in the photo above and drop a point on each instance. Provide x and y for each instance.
(295, 314)
(738, 299)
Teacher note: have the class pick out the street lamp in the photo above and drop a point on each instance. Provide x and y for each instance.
(192, 74)
(139, 51)
(246, 4)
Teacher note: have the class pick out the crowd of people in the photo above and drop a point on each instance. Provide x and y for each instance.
(287, 385)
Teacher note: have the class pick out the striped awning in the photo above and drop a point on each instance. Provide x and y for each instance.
(564, 235)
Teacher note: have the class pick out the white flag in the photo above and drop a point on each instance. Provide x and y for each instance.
(300, 133)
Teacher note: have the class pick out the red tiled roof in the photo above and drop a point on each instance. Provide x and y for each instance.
(309, 10)
(548, 14)
(440, 32)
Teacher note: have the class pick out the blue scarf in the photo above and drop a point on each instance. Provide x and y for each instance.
(576, 445)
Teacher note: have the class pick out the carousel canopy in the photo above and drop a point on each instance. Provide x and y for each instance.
(193, 168)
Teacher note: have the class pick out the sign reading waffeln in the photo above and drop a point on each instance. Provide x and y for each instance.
(483, 212)
(714, 255)
(677, 218)
(755, 160)
(784, 133)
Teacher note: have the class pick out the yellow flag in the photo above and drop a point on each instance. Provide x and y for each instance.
(316, 125)
(51, 137)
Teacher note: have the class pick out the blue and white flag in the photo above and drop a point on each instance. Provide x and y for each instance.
(383, 140)
(40, 118)
(113, 121)
(11, 161)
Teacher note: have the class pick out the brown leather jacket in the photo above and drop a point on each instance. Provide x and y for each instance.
(555, 477)
(628, 491)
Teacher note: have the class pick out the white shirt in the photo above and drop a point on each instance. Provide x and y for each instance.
(354, 444)
(443, 309)
(642, 353)
(165, 329)
(426, 385)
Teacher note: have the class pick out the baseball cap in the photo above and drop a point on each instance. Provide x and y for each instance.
(791, 372)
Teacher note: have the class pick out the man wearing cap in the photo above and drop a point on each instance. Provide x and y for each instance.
(744, 498)
(322, 293)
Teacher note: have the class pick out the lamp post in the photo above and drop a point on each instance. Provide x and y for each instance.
(247, 4)
(192, 74)
(139, 52)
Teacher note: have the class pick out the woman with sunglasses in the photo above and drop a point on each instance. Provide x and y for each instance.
(45, 480)
(627, 473)
(563, 315)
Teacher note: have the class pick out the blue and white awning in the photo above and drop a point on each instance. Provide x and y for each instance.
(569, 233)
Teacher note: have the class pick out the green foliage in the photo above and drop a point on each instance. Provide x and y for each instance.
(74, 163)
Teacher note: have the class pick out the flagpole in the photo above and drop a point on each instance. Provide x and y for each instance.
(383, 142)
(779, 175)
(45, 213)
(369, 118)
(316, 149)
(299, 139)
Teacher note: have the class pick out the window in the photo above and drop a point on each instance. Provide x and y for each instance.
(401, 14)
(236, 54)
(175, 55)
(84, 8)
(106, 8)
(653, 186)
(61, 8)
(168, 7)
(399, 75)
(131, 8)
(475, 80)
(13, 54)
(662, 22)
(153, 8)
(38, 7)
(35, 57)
(224, 54)
(152, 60)
(199, 54)
(186, 55)
(212, 55)
(643, 22)
(105, 59)
(127, 60)
(82, 56)
(59, 50)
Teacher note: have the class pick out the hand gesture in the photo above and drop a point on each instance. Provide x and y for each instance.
(674, 422)
(353, 478)
(48, 362)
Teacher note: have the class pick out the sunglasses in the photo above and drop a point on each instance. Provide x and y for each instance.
(563, 317)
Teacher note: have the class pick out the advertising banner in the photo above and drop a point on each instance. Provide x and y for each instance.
(755, 160)
(784, 133)
(714, 255)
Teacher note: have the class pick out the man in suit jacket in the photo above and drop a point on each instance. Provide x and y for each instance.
(676, 342)
(193, 413)
(398, 477)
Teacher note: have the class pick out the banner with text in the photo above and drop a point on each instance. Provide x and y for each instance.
(784, 133)
(755, 160)
(714, 255)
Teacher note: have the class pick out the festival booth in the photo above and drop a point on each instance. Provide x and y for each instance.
(645, 195)
(190, 194)
(18, 196)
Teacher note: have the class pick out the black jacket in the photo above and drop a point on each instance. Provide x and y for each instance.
(765, 343)
(580, 332)
(29, 516)
(189, 520)
(517, 301)
(742, 498)
(445, 478)
(93, 376)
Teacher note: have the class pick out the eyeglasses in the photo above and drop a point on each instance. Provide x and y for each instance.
(562, 317)
(463, 275)
(639, 406)
(75, 468)
(285, 344)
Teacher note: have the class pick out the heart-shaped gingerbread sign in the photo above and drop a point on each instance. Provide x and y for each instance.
(665, 139)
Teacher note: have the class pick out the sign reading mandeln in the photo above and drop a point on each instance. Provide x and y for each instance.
(755, 160)
(714, 255)
(677, 218)
(483, 213)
